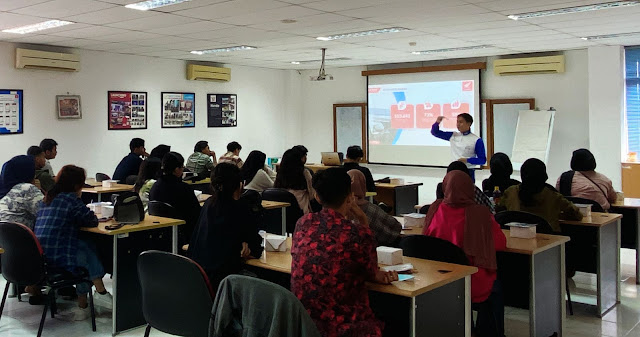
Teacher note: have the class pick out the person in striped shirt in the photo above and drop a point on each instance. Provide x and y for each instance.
(203, 160)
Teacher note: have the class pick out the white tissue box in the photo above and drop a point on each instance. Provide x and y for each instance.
(389, 255)
(413, 220)
(109, 183)
(522, 230)
(275, 243)
(396, 181)
(585, 209)
(197, 193)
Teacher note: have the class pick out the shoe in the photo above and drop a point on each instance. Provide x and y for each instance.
(105, 301)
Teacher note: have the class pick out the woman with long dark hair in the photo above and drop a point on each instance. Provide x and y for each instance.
(147, 176)
(293, 177)
(255, 174)
(501, 170)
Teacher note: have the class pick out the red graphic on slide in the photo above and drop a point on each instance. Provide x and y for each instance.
(402, 116)
(451, 112)
(467, 85)
(374, 90)
(426, 115)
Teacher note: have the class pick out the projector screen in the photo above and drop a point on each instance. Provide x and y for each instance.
(402, 108)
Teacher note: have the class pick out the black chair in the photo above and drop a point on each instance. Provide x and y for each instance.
(101, 176)
(24, 263)
(424, 209)
(273, 222)
(176, 294)
(131, 180)
(159, 208)
(431, 248)
(596, 207)
(505, 217)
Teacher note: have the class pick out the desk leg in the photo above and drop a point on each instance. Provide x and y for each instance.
(405, 199)
(637, 223)
(99, 197)
(174, 239)
(452, 314)
(114, 290)
(284, 220)
(547, 293)
(608, 267)
(371, 199)
(467, 306)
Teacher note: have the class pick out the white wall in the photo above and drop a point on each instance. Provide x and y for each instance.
(263, 119)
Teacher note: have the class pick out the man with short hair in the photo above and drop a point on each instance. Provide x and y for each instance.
(233, 155)
(130, 165)
(203, 160)
(43, 179)
(50, 148)
(465, 146)
(354, 156)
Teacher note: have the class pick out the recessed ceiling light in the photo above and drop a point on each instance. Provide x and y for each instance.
(222, 50)
(37, 27)
(609, 36)
(288, 21)
(571, 10)
(446, 50)
(361, 34)
(152, 4)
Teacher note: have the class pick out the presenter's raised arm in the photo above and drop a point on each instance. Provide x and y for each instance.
(435, 130)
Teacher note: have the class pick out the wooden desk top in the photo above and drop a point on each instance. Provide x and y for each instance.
(199, 182)
(595, 220)
(387, 185)
(313, 167)
(266, 204)
(427, 274)
(92, 182)
(541, 243)
(149, 222)
(370, 194)
(627, 203)
(112, 189)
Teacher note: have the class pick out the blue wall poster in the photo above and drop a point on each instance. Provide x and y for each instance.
(10, 111)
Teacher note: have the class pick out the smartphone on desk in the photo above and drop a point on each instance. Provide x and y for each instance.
(114, 226)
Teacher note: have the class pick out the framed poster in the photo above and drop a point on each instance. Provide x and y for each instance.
(178, 110)
(10, 111)
(68, 107)
(127, 110)
(222, 110)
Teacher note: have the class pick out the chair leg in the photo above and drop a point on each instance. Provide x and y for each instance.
(44, 315)
(54, 305)
(569, 297)
(147, 331)
(18, 291)
(93, 311)
(4, 297)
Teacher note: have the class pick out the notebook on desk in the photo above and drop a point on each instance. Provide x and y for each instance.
(331, 159)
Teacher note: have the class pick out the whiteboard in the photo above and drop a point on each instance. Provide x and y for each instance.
(348, 124)
(533, 136)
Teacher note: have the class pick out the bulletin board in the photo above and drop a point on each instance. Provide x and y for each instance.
(349, 126)
(533, 136)
(11, 102)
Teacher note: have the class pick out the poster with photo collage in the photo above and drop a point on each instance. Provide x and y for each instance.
(127, 110)
(178, 110)
(10, 111)
(222, 110)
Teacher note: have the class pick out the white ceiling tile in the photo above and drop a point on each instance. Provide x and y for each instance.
(303, 22)
(410, 8)
(342, 5)
(131, 35)
(9, 20)
(7, 5)
(160, 20)
(190, 28)
(290, 12)
(90, 32)
(231, 8)
(110, 15)
(79, 43)
(354, 25)
(62, 8)
(42, 39)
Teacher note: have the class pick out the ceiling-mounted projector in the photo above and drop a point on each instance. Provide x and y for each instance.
(322, 76)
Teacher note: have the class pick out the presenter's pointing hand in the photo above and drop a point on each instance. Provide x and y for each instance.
(439, 119)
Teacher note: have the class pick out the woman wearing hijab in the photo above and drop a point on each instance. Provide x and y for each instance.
(19, 197)
(501, 170)
(458, 219)
(385, 228)
(535, 196)
(584, 182)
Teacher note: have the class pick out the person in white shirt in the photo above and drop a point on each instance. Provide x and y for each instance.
(465, 146)
(50, 148)
(255, 174)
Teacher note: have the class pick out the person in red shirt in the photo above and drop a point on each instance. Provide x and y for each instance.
(333, 255)
(472, 227)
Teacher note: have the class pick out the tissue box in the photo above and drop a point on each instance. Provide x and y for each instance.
(109, 183)
(275, 243)
(522, 230)
(585, 209)
(396, 181)
(389, 255)
(413, 220)
(197, 193)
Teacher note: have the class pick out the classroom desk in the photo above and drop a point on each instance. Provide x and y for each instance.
(629, 227)
(313, 167)
(370, 195)
(401, 197)
(128, 242)
(607, 242)
(99, 190)
(421, 302)
(203, 185)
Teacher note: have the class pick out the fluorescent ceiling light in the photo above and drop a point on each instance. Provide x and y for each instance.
(152, 4)
(446, 50)
(295, 62)
(609, 36)
(222, 50)
(571, 10)
(326, 60)
(361, 34)
(37, 27)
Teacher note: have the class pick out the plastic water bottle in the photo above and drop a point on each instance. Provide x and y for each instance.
(497, 194)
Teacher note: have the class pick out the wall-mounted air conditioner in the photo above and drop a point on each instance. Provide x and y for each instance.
(197, 72)
(529, 65)
(37, 59)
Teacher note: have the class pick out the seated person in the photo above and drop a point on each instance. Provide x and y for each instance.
(159, 151)
(584, 182)
(59, 221)
(384, 226)
(458, 219)
(147, 176)
(43, 179)
(501, 170)
(303, 155)
(202, 161)
(233, 155)
(50, 148)
(171, 190)
(19, 197)
(480, 197)
(333, 258)
(255, 174)
(130, 165)
(534, 196)
(294, 178)
(225, 234)
(354, 156)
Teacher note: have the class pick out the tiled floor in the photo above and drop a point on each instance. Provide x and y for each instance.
(21, 319)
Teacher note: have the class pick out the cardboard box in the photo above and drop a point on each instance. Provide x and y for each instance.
(275, 243)
(522, 230)
(413, 220)
(585, 209)
(389, 255)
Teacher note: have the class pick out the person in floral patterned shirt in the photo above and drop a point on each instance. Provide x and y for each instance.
(333, 255)
(19, 197)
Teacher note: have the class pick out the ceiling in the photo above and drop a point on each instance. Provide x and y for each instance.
(173, 31)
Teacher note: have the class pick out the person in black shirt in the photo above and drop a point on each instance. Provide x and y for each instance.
(501, 170)
(130, 165)
(354, 156)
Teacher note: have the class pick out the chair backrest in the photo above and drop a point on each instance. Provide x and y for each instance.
(293, 212)
(596, 207)
(250, 304)
(176, 293)
(131, 180)
(101, 176)
(424, 209)
(162, 209)
(431, 248)
(22, 260)
(542, 225)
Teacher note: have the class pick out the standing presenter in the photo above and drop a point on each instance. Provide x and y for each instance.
(465, 146)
